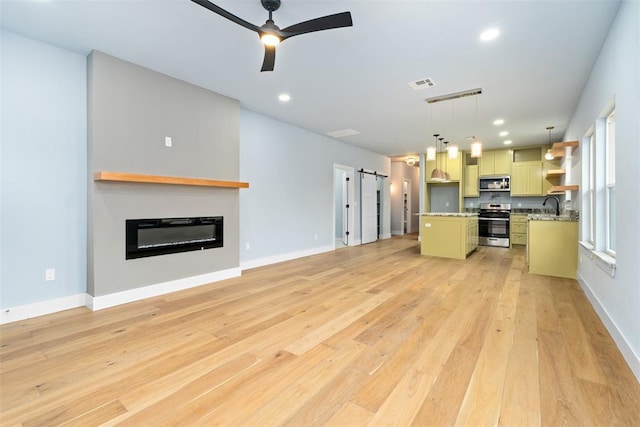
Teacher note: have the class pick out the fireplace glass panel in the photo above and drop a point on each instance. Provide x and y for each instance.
(150, 237)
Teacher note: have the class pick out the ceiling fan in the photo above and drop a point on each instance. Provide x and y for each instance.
(271, 35)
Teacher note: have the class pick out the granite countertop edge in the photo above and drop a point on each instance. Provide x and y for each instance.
(451, 214)
(546, 217)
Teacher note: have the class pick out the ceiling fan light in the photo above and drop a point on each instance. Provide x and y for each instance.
(270, 39)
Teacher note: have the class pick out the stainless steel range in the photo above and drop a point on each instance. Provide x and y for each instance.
(493, 222)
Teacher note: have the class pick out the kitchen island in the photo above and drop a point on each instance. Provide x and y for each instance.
(448, 235)
(552, 245)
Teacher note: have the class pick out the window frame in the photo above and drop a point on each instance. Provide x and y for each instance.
(591, 190)
(610, 184)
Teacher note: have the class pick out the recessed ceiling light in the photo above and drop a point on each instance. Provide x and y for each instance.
(489, 34)
(507, 142)
(284, 97)
(498, 122)
(503, 133)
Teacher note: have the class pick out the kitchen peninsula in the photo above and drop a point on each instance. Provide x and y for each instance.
(552, 247)
(449, 235)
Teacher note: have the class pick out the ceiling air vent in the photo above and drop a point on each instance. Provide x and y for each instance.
(342, 132)
(422, 84)
(454, 95)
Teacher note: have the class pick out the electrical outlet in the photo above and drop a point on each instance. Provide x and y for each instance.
(50, 275)
(248, 246)
(167, 141)
(316, 236)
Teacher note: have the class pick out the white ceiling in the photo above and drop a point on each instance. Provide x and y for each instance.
(357, 78)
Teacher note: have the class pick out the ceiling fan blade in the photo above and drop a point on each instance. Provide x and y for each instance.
(231, 17)
(338, 20)
(269, 58)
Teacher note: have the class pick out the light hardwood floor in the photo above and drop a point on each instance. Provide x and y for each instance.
(375, 335)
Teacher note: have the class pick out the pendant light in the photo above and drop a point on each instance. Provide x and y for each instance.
(453, 152)
(431, 153)
(476, 149)
(437, 174)
(476, 146)
(549, 155)
(447, 177)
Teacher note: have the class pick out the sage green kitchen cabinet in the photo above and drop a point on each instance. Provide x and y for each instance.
(448, 236)
(526, 179)
(495, 163)
(553, 248)
(518, 229)
(470, 181)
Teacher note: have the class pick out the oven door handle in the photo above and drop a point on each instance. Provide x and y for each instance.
(493, 219)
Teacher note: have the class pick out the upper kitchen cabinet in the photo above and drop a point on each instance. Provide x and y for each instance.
(495, 163)
(470, 176)
(470, 182)
(526, 178)
(452, 166)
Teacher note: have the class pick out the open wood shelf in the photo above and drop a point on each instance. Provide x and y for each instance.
(558, 148)
(560, 189)
(555, 173)
(159, 179)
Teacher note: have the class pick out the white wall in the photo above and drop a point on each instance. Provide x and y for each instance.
(43, 170)
(616, 75)
(44, 182)
(290, 200)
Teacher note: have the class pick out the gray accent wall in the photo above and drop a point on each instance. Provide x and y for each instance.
(42, 171)
(131, 110)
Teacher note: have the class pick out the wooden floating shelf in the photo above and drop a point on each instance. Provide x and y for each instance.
(555, 173)
(560, 189)
(558, 148)
(159, 179)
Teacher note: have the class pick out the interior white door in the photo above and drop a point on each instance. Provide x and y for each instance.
(369, 208)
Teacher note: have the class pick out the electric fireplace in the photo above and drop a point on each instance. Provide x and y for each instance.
(160, 236)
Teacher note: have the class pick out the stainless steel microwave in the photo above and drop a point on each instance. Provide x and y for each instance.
(495, 183)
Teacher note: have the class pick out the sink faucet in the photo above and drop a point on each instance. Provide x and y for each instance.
(557, 203)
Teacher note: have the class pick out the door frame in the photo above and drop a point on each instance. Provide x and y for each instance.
(350, 171)
(409, 216)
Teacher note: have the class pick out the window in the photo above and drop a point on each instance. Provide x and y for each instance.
(589, 202)
(610, 185)
(598, 216)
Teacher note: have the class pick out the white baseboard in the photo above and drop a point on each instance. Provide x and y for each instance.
(41, 308)
(397, 232)
(117, 298)
(386, 236)
(632, 359)
(260, 262)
